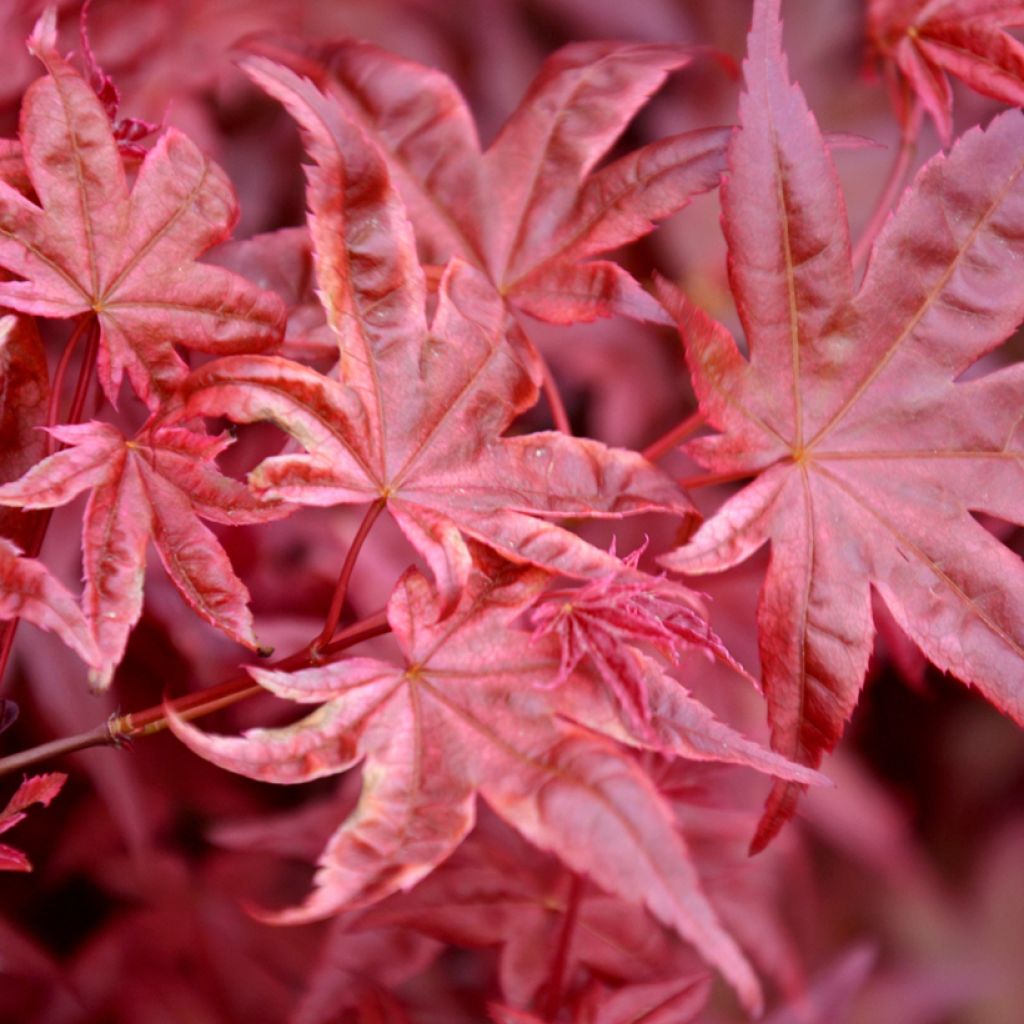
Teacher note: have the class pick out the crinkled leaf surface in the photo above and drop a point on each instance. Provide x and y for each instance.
(416, 418)
(93, 246)
(868, 457)
(36, 789)
(926, 40)
(463, 714)
(532, 211)
(155, 486)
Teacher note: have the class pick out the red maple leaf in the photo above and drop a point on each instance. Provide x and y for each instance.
(416, 419)
(461, 714)
(923, 41)
(532, 211)
(868, 457)
(155, 486)
(36, 789)
(93, 246)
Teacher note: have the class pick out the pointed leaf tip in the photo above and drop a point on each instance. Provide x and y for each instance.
(43, 39)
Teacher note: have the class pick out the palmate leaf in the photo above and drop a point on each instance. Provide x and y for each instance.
(869, 458)
(154, 486)
(416, 418)
(463, 713)
(531, 211)
(924, 41)
(94, 247)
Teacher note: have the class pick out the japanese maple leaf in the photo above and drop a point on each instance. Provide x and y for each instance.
(36, 789)
(155, 486)
(532, 211)
(461, 714)
(923, 41)
(416, 419)
(868, 456)
(94, 247)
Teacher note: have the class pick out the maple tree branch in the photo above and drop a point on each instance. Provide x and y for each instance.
(554, 397)
(57, 387)
(693, 483)
(553, 994)
(90, 327)
(549, 386)
(679, 433)
(341, 588)
(120, 729)
(893, 185)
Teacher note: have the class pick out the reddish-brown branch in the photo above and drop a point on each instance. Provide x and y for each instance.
(341, 589)
(679, 433)
(122, 728)
(552, 1002)
(57, 387)
(693, 483)
(893, 186)
(554, 397)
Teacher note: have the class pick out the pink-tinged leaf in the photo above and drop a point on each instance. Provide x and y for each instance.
(675, 1001)
(28, 591)
(417, 416)
(577, 106)
(869, 457)
(35, 789)
(152, 487)
(24, 392)
(531, 210)
(677, 724)
(462, 715)
(12, 167)
(93, 247)
(569, 293)
(928, 39)
(420, 119)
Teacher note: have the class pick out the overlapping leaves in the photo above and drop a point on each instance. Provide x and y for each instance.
(468, 710)
(93, 246)
(532, 212)
(416, 418)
